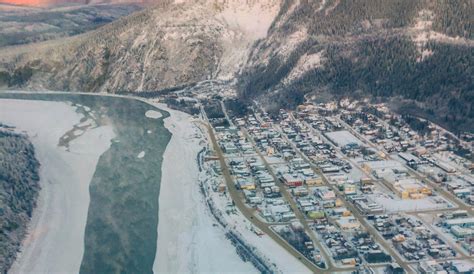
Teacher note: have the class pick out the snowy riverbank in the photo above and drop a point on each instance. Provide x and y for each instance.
(189, 238)
(188, 241)
(55, 242)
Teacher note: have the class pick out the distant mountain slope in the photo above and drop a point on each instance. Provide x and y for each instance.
(22, 25)
(55, 3)
(169, 45)
(418, 51)
(416, 54)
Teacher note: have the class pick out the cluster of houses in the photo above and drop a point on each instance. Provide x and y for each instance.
(461, 226)
(455, 266)
(314, 154)
(353, 249)
(316, 200)
(428, 151)
(460, 184)
(261, 190)
(295, 235)
(411, 238)
(454, 176)
(258, 186)
(391, 131)
(396, 178)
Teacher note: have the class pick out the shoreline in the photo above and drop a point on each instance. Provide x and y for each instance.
(55, 233)
(223, 253)
(188, 240)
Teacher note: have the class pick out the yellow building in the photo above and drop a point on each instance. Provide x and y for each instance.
(314, 181)
(339, 202)
(249, 187)
(411, 189)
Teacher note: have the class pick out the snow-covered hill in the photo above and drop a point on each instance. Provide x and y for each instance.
(169, 45)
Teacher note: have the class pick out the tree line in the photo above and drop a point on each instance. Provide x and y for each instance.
(19, 177)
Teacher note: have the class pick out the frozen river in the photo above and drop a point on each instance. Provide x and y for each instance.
(97, 210)
(110, 171)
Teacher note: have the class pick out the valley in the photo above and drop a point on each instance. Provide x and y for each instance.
(243, 206)
(276, 136)
(277, 52)
(168, 45)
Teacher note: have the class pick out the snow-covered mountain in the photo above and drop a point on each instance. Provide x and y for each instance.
(167, 45)
(418, 52)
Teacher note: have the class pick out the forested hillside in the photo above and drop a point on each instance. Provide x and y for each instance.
(417, 51)
(18, 192)
(170, 44)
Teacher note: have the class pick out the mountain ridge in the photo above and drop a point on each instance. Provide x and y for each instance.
(168, 45)
(278, 52)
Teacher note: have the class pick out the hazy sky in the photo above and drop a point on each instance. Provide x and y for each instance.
(60, 2)
(40, 2)
(26, 2)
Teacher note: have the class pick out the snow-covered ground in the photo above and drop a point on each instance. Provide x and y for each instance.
(395, 204)
(264, 246)
(153, 114)
(188, 241)
(141, 155)
(55, 243)
(306, 63)
(189, 238)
